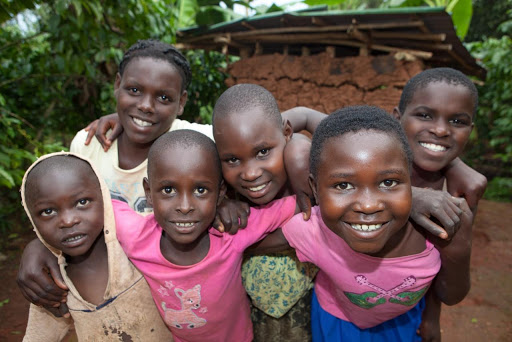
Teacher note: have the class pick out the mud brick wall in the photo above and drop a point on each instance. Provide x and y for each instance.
(325, 83)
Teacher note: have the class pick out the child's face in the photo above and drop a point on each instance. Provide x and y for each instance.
(149, 98)
(67, 209)
(184, 192)
(438, 122)
(363, 188)
(251, 151)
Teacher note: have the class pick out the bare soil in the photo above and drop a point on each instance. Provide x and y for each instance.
(485, 314)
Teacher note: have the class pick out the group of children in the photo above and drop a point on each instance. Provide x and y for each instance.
(167, 180)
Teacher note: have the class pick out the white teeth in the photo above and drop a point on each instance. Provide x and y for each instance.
(366, 227)
(258, 188)
(433, 147)
(74, 238)
(184, 224)
(141, 123)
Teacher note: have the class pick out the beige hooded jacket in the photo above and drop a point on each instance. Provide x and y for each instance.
(128, 313)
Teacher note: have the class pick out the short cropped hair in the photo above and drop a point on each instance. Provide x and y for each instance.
(158, 50)
(445, 75)
(242, 97)
(55, 163)
(355, 119)
(183, 138)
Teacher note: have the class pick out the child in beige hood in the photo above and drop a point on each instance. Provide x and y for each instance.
(70, 208)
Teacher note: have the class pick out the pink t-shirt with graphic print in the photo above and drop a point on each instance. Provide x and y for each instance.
(205, 301)
(356, 287)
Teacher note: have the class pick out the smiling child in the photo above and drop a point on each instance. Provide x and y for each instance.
(194, 271)
(71, 212)
(251, 138)
(374, 264)
(436, 110)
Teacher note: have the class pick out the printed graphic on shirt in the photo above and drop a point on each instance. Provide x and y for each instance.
(140, 205)
(370, 299)
(190, 300)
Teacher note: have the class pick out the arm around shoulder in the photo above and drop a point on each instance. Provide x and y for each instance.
(303, 118)
(463, 181)
(453, 282)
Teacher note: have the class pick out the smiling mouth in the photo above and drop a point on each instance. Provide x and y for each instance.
(365, 227)
(74, 238)
(433, 147)
(257, 188)
(184, 224)
(141, 123)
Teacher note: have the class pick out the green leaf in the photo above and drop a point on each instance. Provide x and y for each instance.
(461, 10)
(211, 15)
(6, 178)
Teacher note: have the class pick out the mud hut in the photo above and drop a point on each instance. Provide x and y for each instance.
(329, 59)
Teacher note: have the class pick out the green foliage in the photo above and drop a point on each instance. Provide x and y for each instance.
(207, 84)
(494, 119)
(58, 61)
(56, 75)
(487, 16)
(499, 189)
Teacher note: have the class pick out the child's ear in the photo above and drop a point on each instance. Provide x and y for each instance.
(145, 184)
(396, 113)
(222, 191)
(117, 83)
(183, 102)
(312, 185)
(287, 130)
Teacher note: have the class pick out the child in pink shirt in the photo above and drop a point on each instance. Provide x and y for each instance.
(375, 266)
(193, 270)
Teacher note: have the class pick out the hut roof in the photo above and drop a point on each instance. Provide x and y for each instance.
(422, 32)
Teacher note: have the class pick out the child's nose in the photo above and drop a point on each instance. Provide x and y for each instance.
(368, 203)
(251, 172)
(185, 204)
(68, 218)
(146, 104)
(440, 128)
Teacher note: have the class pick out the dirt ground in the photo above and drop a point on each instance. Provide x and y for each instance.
(485, 314)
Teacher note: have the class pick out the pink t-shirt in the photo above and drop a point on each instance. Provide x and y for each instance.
(205, 301)
(356, 287)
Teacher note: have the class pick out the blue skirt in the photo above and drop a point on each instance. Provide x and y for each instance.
(328, 328)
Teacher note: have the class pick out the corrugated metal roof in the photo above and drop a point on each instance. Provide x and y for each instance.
(426, 32)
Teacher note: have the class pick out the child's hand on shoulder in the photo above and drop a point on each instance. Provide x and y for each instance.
(232, 215)
(429, 205)
(99, 128)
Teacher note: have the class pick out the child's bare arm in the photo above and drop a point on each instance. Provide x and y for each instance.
(452, 283)
(303, 118)
(101, 126)
(465, 182)
(296, 162)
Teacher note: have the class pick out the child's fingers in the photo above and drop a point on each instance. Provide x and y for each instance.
(60, 311)
(33, 297)
(91, 130)
(217, 224)
(431, 227)
(243, 217)
(57, 277)
(304, 203)
(63, 309)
